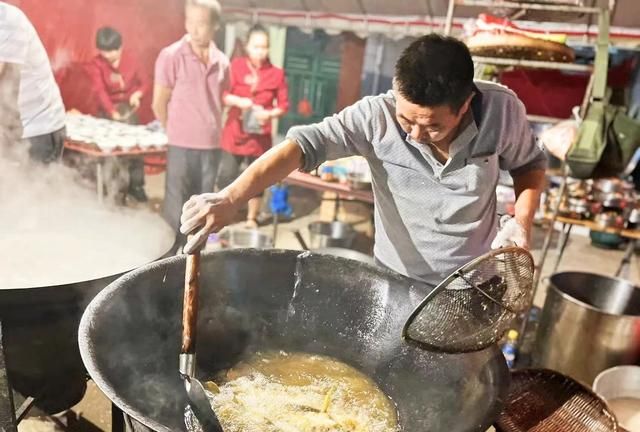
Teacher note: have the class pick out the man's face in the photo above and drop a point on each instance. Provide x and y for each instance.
(428, 124)
(199, 25)
(112, 56)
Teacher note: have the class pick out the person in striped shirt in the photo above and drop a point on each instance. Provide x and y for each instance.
(42, 112)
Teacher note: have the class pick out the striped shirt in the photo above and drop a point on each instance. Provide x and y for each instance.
(430, 218)
(39, 100)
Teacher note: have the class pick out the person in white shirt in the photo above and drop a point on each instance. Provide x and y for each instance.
(42, 112)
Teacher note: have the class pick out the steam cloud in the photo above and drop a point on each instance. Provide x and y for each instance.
(52, 228)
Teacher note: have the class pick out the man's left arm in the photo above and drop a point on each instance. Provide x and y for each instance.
(526, 161)
(528, 188)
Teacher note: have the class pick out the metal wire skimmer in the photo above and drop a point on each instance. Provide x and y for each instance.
(473, 307)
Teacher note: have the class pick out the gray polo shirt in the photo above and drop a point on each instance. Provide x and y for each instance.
(430, 218)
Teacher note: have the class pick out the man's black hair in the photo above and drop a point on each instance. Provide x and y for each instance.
(435, 70)
(108, 39)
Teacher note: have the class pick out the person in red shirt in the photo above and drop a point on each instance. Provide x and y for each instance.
(257, 95)
(119, 85)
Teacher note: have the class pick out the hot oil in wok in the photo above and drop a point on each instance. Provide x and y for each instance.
(297, 392)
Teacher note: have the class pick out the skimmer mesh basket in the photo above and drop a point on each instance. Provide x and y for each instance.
(476, 305)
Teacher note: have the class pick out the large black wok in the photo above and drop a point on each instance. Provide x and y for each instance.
(39, 330)
(40, 334)
(250, 300)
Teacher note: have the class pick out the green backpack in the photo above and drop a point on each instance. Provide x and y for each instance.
(606, 142)
(607, 138)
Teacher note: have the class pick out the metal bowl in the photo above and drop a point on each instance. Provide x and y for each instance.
(618, 382)
(610, 220)
(621, 382)
(330, 234)
(612, 185)
(245, 238)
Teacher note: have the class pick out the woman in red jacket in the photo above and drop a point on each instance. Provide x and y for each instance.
(257, 95)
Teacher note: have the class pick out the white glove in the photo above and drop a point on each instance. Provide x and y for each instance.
(204, 214)
(511, 234)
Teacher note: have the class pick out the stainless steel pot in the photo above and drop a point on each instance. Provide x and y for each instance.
(331, 234)
(589, 323)
(245, 238)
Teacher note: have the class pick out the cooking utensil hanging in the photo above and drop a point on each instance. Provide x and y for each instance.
(199, 404)
(542, 400)
(474, 306)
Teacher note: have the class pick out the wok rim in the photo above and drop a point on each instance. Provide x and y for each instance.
(155, 257)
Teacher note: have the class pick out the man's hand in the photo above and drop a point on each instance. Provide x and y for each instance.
(134, 100)
(511, 233)
(204, 214)
(210, 212)
(116, 116)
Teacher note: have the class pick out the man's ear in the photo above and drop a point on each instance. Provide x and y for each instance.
(465, 107)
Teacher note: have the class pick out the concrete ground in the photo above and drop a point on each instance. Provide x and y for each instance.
(94, 410)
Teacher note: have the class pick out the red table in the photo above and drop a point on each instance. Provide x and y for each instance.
(343, 191)
(100, 156)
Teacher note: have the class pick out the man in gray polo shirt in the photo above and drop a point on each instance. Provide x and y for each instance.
(435, 145)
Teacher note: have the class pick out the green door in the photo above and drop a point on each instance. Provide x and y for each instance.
(312, 64)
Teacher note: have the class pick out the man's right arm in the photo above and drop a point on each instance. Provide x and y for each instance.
(270, 168)
(160, 104)
(213, 211)
(306, 147)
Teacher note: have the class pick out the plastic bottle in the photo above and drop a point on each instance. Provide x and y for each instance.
(510, 348)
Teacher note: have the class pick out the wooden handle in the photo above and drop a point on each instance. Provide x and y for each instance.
(190, 303)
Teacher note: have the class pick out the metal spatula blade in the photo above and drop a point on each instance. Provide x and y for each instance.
(201, 406)
(475, 305)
